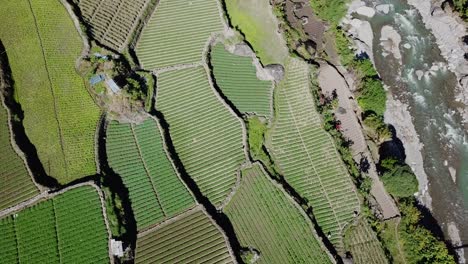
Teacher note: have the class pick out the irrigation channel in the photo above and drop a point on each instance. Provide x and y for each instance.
(433, 108)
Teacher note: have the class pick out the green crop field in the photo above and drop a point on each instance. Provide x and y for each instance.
(255, 19)
(161, 45)
(307, 156)
(192, 238)
(60, 115)
(363, 244)
(206, 136)
(112, 22)
(237, 79)
(68, 228)
(137, 154)
(16, 184)
(265, 219)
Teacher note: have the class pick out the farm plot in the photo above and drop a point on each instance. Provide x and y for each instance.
(16, 184)
(237, 79)
(112, 22)
(265, 219)
(137, 154)
(206, 136)
(60, 116)
(178, 32)
(66, 229)
(307, 156)
(191, 238)
(255, 19)
(364, 245)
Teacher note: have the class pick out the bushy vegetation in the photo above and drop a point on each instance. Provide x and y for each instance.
(400, 181)
(461, 6)
(329, 10)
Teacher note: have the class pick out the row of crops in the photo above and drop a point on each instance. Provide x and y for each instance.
(136, 153)
(266, 219)
(16, 184)
(363, 244)
(112, 22)
(68, 228)
(191, 238)
(307, 156)
(60, 116)
(206, 135)
(178, 32)
(237, 79)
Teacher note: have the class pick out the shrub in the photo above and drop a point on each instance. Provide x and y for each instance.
(400, 181)
(372, 96)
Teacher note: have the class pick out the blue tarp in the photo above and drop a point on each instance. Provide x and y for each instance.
(96, 79)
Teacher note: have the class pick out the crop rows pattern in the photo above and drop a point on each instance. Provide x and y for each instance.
(265, 219)
(307, 156)
(16, 184)
(112, 22)
(237, 79)
(161, 45)
(206, 136)
(137, 154)
(193, 238)
(364, 244)
(60, 116)
(66, 229)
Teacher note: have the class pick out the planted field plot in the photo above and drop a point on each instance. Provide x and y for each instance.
(364, 245)
(236, 77)
(265, 219)
(16, 184)
(206, 136)
(112, 22)
(307, 156)
(191, 238)
(136, 153)
(60, 116)
(178, 32)
(66, 229)
(255, 19)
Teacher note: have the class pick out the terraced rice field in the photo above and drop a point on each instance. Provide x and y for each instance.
(265, 219)
(364, 245)
(237, 79)
(60, 115)
(307, 156)
(112, 22)
(161, 44)
(191, 238)
(255, 19)
(206, 136)
(137, 154)
(16, 184)
(66, 229)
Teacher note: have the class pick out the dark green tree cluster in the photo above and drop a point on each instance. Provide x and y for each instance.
(399, 179)
(461, 6)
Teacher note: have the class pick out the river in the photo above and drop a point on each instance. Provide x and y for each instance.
(433, 108)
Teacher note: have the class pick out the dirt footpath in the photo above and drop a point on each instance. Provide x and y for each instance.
(329, 80)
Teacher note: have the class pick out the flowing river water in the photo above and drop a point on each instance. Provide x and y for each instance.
(433, 108)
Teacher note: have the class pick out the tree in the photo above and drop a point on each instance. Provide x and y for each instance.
(400, 181)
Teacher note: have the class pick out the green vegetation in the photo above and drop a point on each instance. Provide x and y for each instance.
(331, 11)
(255, 19)
(461, 6)
(306, 155)
(60, 116)
(205, 134)
(192, 238)
(137, 154)
(237, 79)
(160, 44)
(363, 244)
(112, 22)
(16, 184)
(68, 228)
(400, 181)
(266, 219)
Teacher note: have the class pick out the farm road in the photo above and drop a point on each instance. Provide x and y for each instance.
(329, 80)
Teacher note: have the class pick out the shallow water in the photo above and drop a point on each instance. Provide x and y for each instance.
(433, 108)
